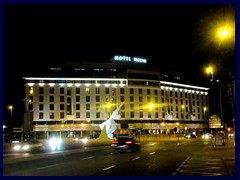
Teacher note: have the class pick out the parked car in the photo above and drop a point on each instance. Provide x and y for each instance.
(125, 144)
(188, 136)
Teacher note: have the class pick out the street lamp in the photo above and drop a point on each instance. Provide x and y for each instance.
(209, 70)
(220, 98)
(151, 107)
(205, 117)
(10, 107)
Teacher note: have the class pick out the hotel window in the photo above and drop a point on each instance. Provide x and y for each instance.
(41, 90)
(176, 101)
(77, 114)
(41, 107)
(132, 114)
(197, 103)
(131, 91)
(121, 91)
(140, 91)
(131, 98)
(87, 114)
(51, 107)
(51, 98)
(97, 91)
(61, 90)
(98, 115)
(162, 92)
(40, 98)
(41, 115)
(122, 114)
(186, 95)
(77, 98)
(97, 98)
(186, 102)
(107, 91)
(162, 100)
(97, 107)
(87, 98)
(77, 90)
(197, 96)
(156, 114)
(149, 114)
(61, 107)
(193, 96)
(176, 108)
(193, 103)
(61, 98)
(177, 116)
(87, 106)
(148, 99)
(141, 114)
(163, 115)
(131, 106)
(171, 100)
(181, 94)
(181, 115)
(171, 93)
(30, 107)
(30, 99)
(140, 99)
(61, 115)
(51, 90)
(51, 115)
(156, 99)
(181, 101)
(122, 98)
(77, 106)
(176, 94)
(69, 91)
(87, 90)
(156, 92)
(140, 107)
(148, 91)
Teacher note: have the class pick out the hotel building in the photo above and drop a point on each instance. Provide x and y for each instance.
(74, 98)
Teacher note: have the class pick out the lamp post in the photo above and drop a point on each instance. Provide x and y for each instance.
(150, 107)
(204, 110)
(220, 98)
(209, 70)
(10, 107)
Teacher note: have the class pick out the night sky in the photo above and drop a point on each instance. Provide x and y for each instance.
(173, 37)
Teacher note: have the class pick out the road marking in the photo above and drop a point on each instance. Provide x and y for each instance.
(135, 158)
(109, 167)
(152, 153)
(88, 158)
(48, 166)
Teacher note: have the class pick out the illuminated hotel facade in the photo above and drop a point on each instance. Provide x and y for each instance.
(75, 106)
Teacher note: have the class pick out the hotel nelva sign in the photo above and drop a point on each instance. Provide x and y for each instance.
(130, 59)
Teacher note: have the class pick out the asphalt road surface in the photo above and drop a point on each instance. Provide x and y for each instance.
(166, 158)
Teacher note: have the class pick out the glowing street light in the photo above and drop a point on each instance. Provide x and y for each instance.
(10, 107)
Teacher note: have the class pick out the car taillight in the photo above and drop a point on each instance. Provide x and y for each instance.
(115, 142)
(128, 142)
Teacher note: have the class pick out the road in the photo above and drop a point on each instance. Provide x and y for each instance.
(166, 158)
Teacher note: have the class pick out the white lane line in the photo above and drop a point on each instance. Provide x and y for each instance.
(151, 153)
(90, 157)
(110, 167)
(48, 166)
(135, 158)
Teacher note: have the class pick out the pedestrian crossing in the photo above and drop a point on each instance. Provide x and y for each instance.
(202, 166)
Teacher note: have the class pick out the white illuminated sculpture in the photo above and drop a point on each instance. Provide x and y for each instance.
(110, 124)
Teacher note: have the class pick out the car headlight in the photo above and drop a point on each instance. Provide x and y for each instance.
(17, 147)
(25, 147)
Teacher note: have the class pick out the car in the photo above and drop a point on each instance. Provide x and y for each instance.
(20, 146)
(188, 136)
(206, 136)
(125, 144)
